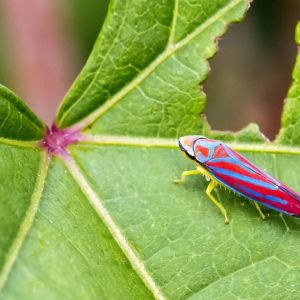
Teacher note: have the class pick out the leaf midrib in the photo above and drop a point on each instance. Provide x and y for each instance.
(148, 142)
(97, 204)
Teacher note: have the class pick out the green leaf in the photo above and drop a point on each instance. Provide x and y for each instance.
(250, 133)
(68, 252)
(181, 235)
(290, 121)
(107, 220)
(17, 122)
(146, 67)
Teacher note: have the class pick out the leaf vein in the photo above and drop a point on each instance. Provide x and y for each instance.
(272, 257)
(173, 25)
(29, 144)
(27, 221)
(115, 231)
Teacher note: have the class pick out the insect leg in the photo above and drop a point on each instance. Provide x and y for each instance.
(259, 210)
(209, 189)
(185, 174)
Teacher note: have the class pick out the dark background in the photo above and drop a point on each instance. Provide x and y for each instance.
(44, 44)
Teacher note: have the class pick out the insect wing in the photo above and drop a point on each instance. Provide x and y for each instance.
(239, 174)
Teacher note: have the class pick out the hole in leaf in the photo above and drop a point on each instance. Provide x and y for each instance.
(252, 71)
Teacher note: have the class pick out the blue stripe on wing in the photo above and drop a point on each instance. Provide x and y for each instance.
(275, 199)
(249, 165)
(259, 195)
(251, 198)
(244, 178)
(253, 193)
(233, 161)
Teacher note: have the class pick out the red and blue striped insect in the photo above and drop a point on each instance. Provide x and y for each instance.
(223, 166)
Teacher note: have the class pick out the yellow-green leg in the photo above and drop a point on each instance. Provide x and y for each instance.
(259, 210)
(185, 174)
(209, 189)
